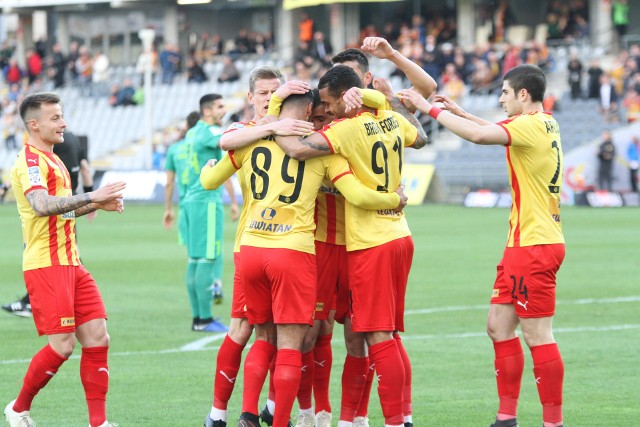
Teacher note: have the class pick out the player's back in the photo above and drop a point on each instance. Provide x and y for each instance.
(203, 144)
(281, 198)
(373, 143)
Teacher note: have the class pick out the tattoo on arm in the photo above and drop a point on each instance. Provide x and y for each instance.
(46, 205)
(314, 145)
(84, 210)
(399, 107)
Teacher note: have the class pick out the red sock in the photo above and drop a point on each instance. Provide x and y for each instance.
(94, 374)
(227, 367)
(406, 409)
(256, 365)
(354, 374)
(363, 406)
(323, 359)
(390, 372)
(286, 379)
(549, 373)
(306, 381)
(509, 364)
(272, 389)
(42, 368)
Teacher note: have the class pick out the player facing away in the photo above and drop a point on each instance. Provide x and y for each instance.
(204, 215)
(65, 299)
(277, 251)
(524, 292)
(263, 82)
(381, 251)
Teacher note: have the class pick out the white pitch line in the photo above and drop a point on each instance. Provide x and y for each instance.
(486, 306)
(201, 344)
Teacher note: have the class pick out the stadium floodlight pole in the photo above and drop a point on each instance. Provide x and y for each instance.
(147, 35)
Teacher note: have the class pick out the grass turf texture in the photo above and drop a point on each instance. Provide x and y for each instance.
(140, 268)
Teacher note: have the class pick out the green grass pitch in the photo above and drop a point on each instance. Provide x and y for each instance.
(156, 382)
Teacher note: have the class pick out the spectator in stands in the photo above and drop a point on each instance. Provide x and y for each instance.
(169, 63)
(84, 68)
(512, 59)
(503, 18)
(12, 72)
(59, 65)
(633, 159)
(608, 100)
(34, 65)
(451, 84)
(632, 104)
(4, 188)
(305, 28)
(122, 95)
(594, 73)
(321, 49)
(72, 57)
(195, 72)
(606, 156)
(10, 124)
(229, 71)
(100, 73)
(575, 76)
(620, 15)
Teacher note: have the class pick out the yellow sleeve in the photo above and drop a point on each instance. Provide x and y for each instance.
(213, 177)
(374, 99)
(274, 105)
(354, 191)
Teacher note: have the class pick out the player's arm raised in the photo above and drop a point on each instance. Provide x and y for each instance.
(423, 82)
(491, 134)
(213, 174)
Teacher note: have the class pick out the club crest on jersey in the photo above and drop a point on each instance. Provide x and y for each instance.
(34, 175)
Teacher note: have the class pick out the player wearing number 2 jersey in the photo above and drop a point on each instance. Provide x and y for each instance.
(524, 290)
(277, 247)
(379, 244)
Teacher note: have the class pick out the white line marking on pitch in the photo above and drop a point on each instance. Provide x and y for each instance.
(201, 344)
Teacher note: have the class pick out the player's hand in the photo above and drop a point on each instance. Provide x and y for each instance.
(414, 97)
(108, 192)
(403, 199)
(378, 47)
(449, 105)
(211, 163)
(113, 205)
(235, 211)
(168, 219)
(266, 120)
(352, 99)
(92, 215)
(383, 85)
(292, 87)
(293, 127)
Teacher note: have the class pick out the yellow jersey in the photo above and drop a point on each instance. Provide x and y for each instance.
(49, 240)
(373, 143)
(534, 160)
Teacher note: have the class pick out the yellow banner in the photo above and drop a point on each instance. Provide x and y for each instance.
(416, 180)
(294, 4)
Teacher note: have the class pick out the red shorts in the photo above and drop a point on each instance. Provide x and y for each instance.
(526, 278)
(331, 262)
(62, 298)
(281, 284)
(378, 283)
(238, 301)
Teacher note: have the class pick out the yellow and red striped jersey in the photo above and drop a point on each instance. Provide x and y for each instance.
(534, 160)
(329, 215)
(49, 240)
(373, 143)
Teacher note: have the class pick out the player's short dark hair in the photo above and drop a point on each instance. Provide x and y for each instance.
(207, 100)
(298, 100)
(316, 97)
(529, 77)
(264, 72)
(34, 101)
(339, 79)
(352, 54)
(192, 119)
